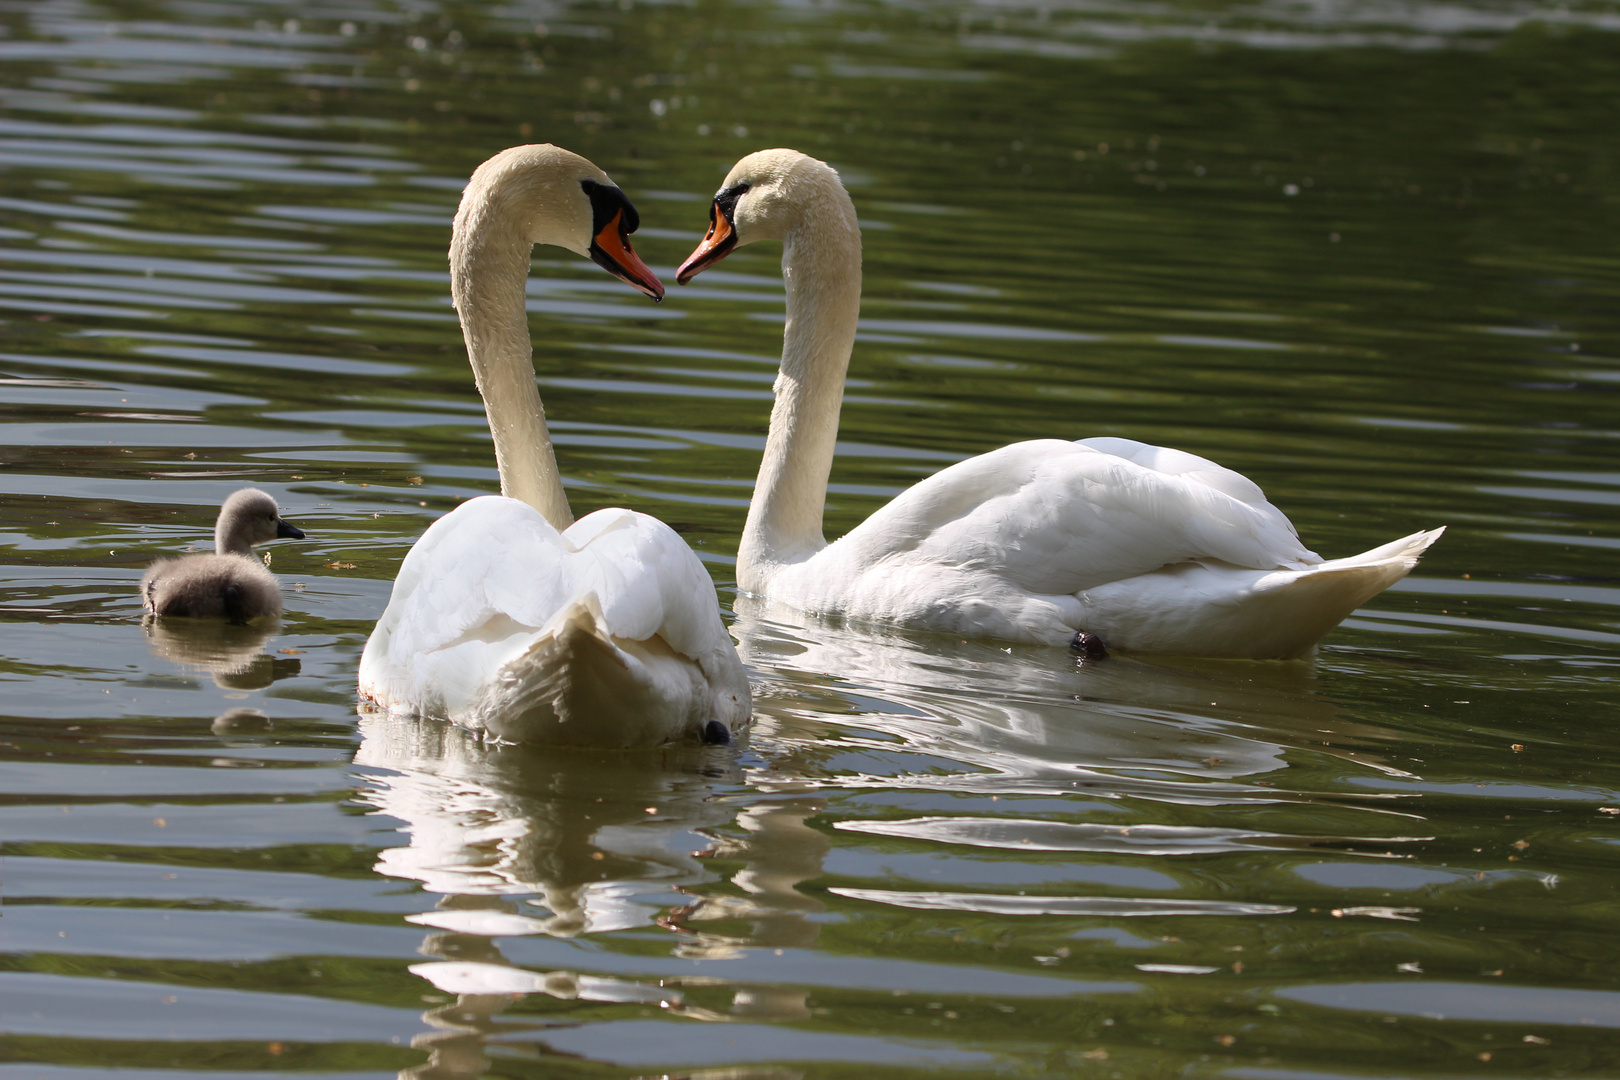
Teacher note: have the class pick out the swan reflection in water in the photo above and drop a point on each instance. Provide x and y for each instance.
(713, 844)
(1029, 719)
(523, 842)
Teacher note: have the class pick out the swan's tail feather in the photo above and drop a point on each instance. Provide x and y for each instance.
(571, 672)
(579, 685)
(1199, 609)
(1300, 609)
(1404, 551)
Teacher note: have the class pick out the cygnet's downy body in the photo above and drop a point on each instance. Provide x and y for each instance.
(231, 583)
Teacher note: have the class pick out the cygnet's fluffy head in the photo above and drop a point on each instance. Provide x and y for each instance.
(773, 195)
(249, 517)
(543, 194)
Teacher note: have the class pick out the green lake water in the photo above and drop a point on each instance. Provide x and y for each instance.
(1364, 252)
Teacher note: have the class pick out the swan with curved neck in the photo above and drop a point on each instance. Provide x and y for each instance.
(509, 617)
(1101, 543)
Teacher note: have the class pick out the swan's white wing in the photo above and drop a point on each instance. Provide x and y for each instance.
(1007, 544)
(658, 606)
(649, 581)
(1053, 517)
(480, 581)
(489, 556)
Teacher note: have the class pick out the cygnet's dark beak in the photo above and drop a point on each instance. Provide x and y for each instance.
(285, 531)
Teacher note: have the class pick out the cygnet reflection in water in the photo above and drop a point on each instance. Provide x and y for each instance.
(230, 583)
(238, 722)
(233, 653)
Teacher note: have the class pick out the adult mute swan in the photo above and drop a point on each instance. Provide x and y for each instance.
(509, 617)
(1101, 543)
(230, 583)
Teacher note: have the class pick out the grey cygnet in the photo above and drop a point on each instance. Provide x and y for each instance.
(232, 583)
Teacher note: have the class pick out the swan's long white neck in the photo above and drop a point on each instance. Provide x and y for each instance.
(489, 270)
(821, 266)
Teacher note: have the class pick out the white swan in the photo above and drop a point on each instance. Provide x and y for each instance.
(1100, 542)
(506, 618)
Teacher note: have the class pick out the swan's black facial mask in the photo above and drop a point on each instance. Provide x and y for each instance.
(721, 237)
(613, 219)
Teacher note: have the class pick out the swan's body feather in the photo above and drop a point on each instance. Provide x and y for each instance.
(1149, 548)
(605, 634)
(1048, 516)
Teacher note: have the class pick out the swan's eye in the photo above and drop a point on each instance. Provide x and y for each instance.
(726, 200)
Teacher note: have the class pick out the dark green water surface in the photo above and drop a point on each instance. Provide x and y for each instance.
(1367, 253)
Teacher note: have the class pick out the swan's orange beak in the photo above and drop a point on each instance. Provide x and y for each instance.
(716, 245)
(611, 250)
